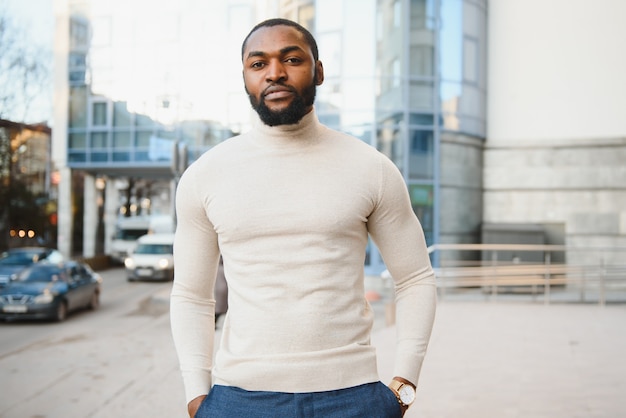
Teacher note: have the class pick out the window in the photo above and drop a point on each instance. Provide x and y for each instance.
(397, 13)
(470, 60)
(78, 107)
(121, 139)
(422, 198)
(99, 140)
(421, 154)
(306, 16)
(121, 115)
(77, 141)
(99, 114)
(396, 72)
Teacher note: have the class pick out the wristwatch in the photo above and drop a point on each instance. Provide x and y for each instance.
(404, 391)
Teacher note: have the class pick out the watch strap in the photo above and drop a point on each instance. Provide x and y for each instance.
(403, 380)
(395, 385)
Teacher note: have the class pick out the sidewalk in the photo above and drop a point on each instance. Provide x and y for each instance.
(520, 360)
(514, 359)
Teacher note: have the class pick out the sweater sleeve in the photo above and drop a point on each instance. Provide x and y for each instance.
(192, 305)
(399, 236)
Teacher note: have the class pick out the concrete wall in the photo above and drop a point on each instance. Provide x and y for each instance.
(461, 181)
(582, 186)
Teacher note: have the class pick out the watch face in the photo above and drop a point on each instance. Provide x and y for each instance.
(407, 394)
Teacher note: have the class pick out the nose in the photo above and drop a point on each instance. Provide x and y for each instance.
(275, 71)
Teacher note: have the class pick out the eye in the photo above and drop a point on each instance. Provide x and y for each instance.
(293, 60)
(257, 64)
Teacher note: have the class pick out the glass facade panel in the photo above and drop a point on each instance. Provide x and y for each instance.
(391, 99)
(99, 114)
(121, 140)
(142, 139)
(77, 60)
(470, 60)
(421, 154)
(78, 107)
(422, 60)
(77, 141)
(422, 200)
(142, 156)
(451, 40)
(169, 134)
(421, 95)
(121, 115)
(99, 156)
(463, 40)
(99, 140)
(121, 156)
(422, 38)
(76, 157)
(306, 15)
(390, 142)
(329, 45)
(424, 119)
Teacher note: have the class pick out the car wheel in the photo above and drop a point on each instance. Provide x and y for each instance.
(61, 312)
(94, 303)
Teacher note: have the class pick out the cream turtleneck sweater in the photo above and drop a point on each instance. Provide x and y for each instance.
(290, 209)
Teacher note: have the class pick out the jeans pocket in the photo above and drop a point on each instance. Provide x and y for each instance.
(393, 406)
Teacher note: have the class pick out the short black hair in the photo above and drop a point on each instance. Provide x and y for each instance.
(285, 22)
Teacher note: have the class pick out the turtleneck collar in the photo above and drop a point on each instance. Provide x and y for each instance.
(307, 131)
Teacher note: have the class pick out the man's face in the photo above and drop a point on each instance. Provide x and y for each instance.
(280, 74)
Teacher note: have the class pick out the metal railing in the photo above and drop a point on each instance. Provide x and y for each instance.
(547, 272)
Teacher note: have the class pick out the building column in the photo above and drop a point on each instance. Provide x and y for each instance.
(90, 220)
(110, 213)
(65, 217)
(173, 186)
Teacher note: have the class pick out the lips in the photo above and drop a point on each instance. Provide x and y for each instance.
(277, 92)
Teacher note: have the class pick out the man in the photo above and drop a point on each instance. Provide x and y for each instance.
(289, 206)
(221, 292)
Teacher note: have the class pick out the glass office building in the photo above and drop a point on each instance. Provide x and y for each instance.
(409, 77)
(152, 83)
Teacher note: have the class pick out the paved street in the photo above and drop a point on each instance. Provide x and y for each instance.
(486, 359)
(94, 362)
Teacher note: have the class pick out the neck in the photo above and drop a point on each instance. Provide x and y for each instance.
(305, 131)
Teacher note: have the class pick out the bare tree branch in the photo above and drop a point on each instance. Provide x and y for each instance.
(25, 70)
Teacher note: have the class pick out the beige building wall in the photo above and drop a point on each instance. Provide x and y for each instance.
(555, 153)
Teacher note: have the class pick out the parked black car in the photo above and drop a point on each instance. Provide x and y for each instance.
(17, 259)
(50, 291)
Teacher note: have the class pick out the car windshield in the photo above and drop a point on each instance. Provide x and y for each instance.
(20, 258)
(130, 234)
(154, 249)
(41, 273)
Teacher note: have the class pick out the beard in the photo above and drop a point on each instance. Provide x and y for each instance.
(290, 115)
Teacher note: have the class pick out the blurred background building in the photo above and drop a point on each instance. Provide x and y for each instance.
(507, 118)
(28, 213)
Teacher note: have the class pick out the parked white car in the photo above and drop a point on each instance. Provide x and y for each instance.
(152, 258)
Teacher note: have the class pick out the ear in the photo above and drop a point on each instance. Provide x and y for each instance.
(319, 73)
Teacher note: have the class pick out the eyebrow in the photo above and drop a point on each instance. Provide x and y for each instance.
(283, 51)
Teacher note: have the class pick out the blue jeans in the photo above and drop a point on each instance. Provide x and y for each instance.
(371, 400)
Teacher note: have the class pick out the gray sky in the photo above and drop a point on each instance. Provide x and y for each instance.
(37, 15)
